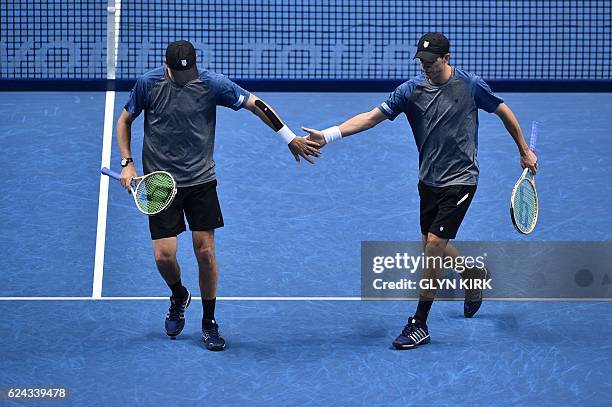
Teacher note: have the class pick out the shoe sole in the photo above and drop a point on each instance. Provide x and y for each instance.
(174, 335)
(407, 347)
(215, 349)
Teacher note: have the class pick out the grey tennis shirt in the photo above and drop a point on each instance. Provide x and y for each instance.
(444, 122)
(179, 125)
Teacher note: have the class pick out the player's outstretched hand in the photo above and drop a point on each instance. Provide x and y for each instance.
(315, 135)
(530, 160)
(301, 146)
(127, 175)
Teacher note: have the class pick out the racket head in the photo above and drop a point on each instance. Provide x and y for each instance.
(154, 192)
(524, 204)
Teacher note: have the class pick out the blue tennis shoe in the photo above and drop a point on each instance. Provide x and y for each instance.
(175, 319)
(473, 298)
(211, 337)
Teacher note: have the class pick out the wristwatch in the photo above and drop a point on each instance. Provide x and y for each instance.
(125, 161)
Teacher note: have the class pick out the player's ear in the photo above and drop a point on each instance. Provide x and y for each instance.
(446, 57)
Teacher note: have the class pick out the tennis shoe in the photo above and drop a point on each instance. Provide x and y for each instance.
(175, 319)
(414, 334)
(473, 297)
(211, 337)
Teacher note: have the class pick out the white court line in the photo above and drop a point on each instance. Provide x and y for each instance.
(294, 299)
(114, 13)
(96, 291)
(166, 298)
(103, 197)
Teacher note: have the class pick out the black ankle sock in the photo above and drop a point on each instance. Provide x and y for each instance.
(423, 308)
(178, 291)
(209, 312)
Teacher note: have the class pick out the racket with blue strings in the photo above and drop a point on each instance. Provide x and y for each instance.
(524, 198)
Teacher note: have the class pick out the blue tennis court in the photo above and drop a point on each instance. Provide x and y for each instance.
(83, 303)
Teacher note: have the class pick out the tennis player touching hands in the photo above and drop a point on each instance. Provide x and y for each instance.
(442, 106)
(179, 133)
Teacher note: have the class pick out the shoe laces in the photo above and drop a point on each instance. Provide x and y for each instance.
(410, 328)
(212, 332)
(177, 309)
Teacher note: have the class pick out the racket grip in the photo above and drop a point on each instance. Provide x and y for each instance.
(534, 135)
(110, 173)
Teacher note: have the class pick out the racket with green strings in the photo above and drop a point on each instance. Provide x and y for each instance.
(152, 193)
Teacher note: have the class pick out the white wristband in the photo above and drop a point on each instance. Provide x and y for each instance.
(286, 134)
(332, 134)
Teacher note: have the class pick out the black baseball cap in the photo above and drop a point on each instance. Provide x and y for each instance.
(431, 46)
(181, 59)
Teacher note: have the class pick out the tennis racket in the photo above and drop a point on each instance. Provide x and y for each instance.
(524, 198)
(152, 193)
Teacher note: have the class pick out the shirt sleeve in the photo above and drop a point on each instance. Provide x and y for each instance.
(137, 99)
(227, 93)
(483, 95)
(396, 102)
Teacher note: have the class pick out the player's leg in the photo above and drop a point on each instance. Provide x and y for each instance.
(449, 251)
(415, 332)
(473, 296)
(164, 251)
(434, 246)
(434, 255)
(442, 210)
(451, 212)
(164, 228)
(204, 216)
(204, 249)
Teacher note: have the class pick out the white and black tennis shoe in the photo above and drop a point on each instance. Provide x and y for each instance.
(414, 334)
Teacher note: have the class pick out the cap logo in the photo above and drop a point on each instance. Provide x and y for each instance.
(425, 44)
(184, 62)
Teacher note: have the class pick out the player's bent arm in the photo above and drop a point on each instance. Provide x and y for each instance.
(298, 146)
(250, 105)
(267, 115)
(512, 125)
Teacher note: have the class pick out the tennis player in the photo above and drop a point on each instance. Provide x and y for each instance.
(180, 104)
(442, 106)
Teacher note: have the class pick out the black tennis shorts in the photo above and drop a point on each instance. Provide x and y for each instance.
(443, 208)
(198, 203)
